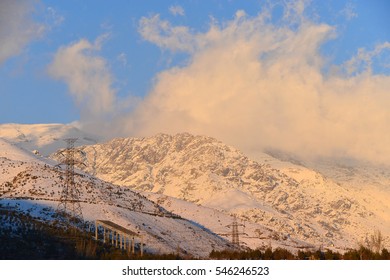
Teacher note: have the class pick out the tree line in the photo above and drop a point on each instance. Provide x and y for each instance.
(362, 253)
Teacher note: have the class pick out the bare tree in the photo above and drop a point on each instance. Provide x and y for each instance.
(375, 242)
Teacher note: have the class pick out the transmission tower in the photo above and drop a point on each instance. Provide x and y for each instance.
(235, 236)
(69, 204)
(235, 233)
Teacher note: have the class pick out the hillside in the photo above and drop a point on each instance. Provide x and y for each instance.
(281, 202)
(293, 200)
(31, 185)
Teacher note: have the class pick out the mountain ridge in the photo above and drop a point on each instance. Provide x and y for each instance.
(291, 199)
(284, 200)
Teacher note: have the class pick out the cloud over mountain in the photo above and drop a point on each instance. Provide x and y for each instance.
(259, 82)
(88, 77)
(255, 82)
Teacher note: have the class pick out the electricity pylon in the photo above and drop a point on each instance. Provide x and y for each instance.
(235, 234)
(69, 204)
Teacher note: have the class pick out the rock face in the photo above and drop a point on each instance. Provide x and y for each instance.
(288, 198)
(183, 166)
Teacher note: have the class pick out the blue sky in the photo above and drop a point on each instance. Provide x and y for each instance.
(139, 66)
(29, 95)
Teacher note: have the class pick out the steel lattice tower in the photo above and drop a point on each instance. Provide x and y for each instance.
(235, 235)
(69, 204)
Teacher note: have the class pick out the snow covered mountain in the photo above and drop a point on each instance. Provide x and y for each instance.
(294, 201)
(280, 202)
(32, 184)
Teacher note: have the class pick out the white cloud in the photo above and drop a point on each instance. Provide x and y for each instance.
(87, 76)
(183, 39)
(122, 58)
(90, 83)
(17, 28)
(163, 34)
(55, 17)
(176, 10)
(256, 84)
(349, 11)
(363, 61)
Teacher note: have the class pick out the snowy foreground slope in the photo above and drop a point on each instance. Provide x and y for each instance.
(33, 185)
(294, 201)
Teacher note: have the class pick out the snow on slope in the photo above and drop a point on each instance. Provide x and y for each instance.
(286, 197)
(45, 138)
(10, 151)
(252, 235)
(35, 186)
(369, 183)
